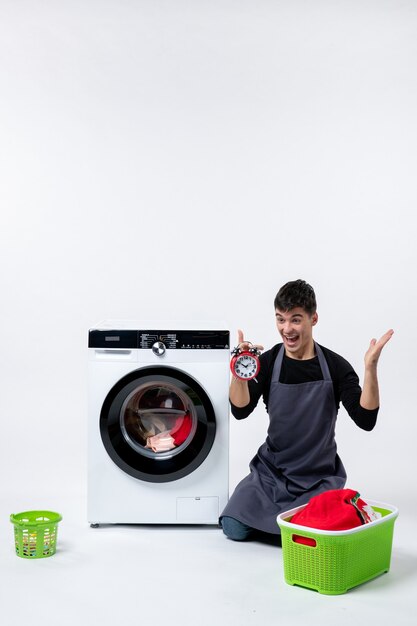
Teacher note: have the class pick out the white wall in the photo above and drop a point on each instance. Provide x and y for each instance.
(181, 158)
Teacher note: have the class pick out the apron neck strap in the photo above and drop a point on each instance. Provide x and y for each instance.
(319, 352)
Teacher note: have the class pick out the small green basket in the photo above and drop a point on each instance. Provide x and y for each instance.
(337, 560)
(35, 533)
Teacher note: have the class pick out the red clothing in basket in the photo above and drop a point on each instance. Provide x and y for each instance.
(337, 509)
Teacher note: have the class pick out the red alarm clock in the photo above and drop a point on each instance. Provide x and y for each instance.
(245, 363)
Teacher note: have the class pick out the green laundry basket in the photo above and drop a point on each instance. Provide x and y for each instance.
(35, 533)
(338, 560)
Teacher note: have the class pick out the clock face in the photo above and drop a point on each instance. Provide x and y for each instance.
(246, 366)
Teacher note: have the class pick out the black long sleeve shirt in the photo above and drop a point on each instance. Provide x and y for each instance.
(293, 371)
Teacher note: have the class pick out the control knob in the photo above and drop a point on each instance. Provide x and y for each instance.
(159, 348)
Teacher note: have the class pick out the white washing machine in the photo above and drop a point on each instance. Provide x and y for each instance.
(158, 444)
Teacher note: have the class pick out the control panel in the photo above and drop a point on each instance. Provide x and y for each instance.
(171, 339)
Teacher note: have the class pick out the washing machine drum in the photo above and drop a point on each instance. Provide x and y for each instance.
(157, 424)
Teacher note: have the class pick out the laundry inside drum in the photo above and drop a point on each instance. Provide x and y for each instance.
(158, 420)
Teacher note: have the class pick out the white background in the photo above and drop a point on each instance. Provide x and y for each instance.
(183, 159)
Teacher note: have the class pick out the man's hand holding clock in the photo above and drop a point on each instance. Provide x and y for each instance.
(245, 359)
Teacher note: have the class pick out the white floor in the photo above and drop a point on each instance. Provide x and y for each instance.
(184, 575)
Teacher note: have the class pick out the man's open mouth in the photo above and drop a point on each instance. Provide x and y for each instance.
(291, 339)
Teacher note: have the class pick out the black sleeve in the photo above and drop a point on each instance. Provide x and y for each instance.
(348, 391)
(260, 388)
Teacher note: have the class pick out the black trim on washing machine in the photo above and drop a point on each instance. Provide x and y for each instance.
(173, 339)
(153, 469)
(113, 339)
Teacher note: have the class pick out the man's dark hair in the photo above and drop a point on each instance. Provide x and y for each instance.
(296, 293)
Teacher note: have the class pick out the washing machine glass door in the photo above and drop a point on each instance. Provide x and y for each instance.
(157, 424)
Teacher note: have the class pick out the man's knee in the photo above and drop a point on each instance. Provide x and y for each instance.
(238, 531)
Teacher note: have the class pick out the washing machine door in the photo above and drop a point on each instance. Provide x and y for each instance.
(157, 424)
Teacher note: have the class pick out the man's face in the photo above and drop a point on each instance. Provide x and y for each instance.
(296, 330)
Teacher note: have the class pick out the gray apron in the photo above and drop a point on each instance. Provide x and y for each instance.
(299, 457)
